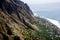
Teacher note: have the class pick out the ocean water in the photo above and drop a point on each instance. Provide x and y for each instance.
(51, 11)
(49, 14)
(55, 22)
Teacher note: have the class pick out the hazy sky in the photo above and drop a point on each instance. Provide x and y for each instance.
(46, 8)
(50, 8)
(40, 1)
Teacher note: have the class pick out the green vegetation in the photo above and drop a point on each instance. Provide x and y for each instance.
(45, 33)
(17, 22)
(34, 35)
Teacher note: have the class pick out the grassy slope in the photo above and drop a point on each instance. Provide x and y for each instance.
(45, 32)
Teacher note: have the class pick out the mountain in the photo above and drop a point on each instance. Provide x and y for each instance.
(50, 28)
(17, 22)
(54, 22)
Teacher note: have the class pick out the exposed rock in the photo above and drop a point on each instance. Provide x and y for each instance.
(15, 17)
(17, 22)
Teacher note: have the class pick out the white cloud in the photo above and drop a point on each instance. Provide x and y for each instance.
(40, 1)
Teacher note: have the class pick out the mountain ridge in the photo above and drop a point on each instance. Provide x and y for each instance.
(15, 16)
(17, 22)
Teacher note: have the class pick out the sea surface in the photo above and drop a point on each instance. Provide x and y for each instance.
(55, 22)
(51, 10)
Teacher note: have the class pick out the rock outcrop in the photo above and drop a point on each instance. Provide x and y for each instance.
(15, 18)
(17, 22)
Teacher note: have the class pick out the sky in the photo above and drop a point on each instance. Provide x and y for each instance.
(45, 8)
(40, 1)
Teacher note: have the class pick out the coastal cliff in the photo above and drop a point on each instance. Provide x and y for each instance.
(17, 22)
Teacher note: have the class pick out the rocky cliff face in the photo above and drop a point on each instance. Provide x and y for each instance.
(17, 22)
(15, 18)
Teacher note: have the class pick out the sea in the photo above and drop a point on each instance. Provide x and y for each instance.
(49, 11)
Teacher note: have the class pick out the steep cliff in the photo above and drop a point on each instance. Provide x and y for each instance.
(17, 22)
(15, 18)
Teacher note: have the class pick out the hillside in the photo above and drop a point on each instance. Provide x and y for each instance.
(17, 22)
